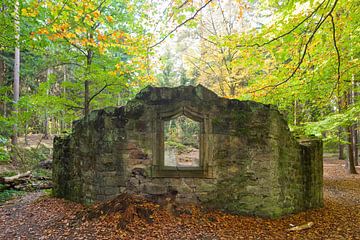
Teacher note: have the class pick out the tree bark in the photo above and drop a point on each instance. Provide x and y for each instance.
(295, 113)
(350, 166)
(26, 133)
(350, 139)
(232, 90)
(46, 125)
(87, 83)
(354, 142)
(62, 121)
(341, 146)
(16, 85)
(354, 128)
(46, 117)
(86, 98)
(341, 101)
(2, 83)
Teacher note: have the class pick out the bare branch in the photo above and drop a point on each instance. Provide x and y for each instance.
(336, 49)
(181, 24)
(198, 68)
(75, 46)
(101, 90)
(59, 13)
(183, 4)
(288, 32)
(73, 107)
(98, 8)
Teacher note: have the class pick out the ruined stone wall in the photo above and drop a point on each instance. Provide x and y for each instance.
(252, 164)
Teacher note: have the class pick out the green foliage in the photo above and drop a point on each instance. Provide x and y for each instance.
(48, 192)
(8, 174)
(182, 131)
(330, 124)
(6, 195)
(4, 155)
(29, 158)
(179, 146)
(40, 172)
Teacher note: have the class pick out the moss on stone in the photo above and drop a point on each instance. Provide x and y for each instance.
(253, 165)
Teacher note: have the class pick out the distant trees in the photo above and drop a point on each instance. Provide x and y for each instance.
(302, 56)
(76, 56)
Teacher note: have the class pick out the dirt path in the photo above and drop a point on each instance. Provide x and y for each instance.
(35, 216)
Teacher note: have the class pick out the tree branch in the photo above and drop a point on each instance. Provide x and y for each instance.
(336, 49)
(183, 4)
(73, 107)
(288, 32)
(75, 46)
(181, 24)
(321, 21)
(101, 90)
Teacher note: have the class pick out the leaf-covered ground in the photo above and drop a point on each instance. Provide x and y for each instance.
(36, 216)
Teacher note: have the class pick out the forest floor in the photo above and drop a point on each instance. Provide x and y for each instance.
(39, 216)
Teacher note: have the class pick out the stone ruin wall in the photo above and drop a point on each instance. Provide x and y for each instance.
(252, 164)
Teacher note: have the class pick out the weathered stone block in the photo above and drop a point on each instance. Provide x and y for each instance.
(154, 189)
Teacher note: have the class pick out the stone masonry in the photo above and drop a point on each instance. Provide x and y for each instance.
(249, 161)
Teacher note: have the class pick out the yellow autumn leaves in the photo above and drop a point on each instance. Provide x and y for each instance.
(29, 12)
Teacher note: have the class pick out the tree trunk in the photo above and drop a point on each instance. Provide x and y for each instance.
(46, 125)
(232, 90)
(62, 121)
(295, 113)
(350, 165)
(341, 101)
(16, 84)
(2, 82)
(86, 98)
(350, 136)
(355, 131)
(355, 146)
(341, 146)
(46, 120)
(26, 133)
(87, 83)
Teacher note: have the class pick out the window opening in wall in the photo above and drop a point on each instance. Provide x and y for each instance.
(181, 142)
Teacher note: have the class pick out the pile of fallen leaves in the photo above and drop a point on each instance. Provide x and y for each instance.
(133, 217)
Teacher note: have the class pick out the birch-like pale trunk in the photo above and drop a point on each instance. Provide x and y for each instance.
(16, 84)
(46, 117)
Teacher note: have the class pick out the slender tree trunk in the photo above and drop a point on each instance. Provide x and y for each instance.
(350, 136)
(46, 125)
(354, 143)
(26, 133)
(354, 128)
(341, 146)
(86, 98)
(232, 90)
(341, 101)
(62, 121)
(295, 113)
(16, 84)
(5, 109)
(2, 82)
(46, 116)
(87, 83)
(350, 166)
